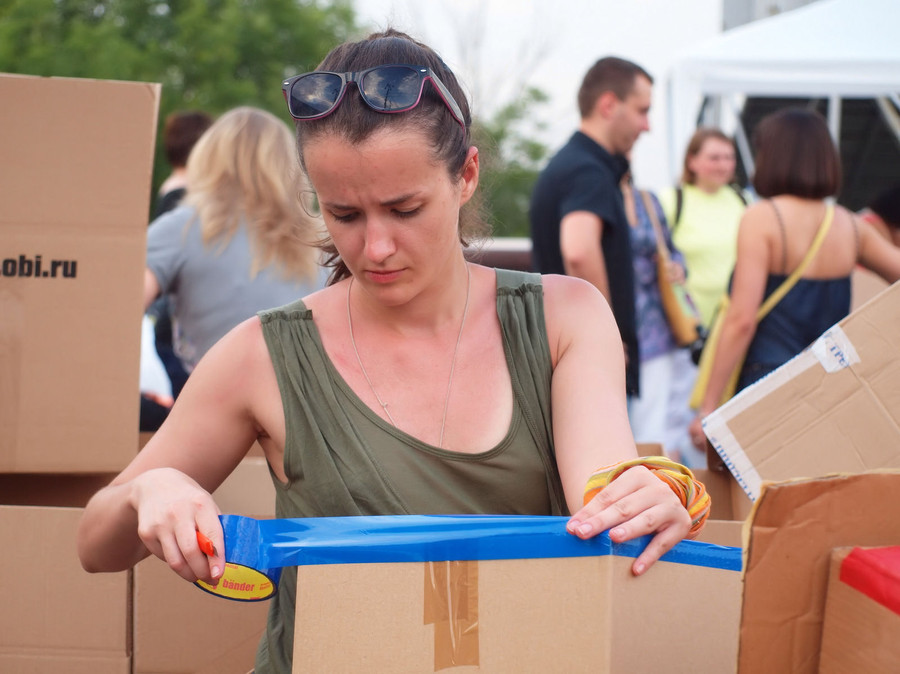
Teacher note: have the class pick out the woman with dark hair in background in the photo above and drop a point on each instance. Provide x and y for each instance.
(798, 173)
(181, 132)
(416, 382)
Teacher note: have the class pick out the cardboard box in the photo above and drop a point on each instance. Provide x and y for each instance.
(569, 614)
(861, 630)
(792, 531)
(179, 628)
(864, 285)
(75, 188)
(55, 617)
(834, 408)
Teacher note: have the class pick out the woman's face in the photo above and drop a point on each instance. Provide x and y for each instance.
(713, 165)
(391, 209)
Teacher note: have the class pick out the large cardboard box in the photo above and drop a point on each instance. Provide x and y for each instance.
(861, 630)
(75, 184)
(792, 532)
(179, 628)
(834, 408)
(568, 614)
(54, 616)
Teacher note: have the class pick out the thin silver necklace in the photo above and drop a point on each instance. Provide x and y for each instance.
(362, 368)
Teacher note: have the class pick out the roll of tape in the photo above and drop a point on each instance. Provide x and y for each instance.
(245, 578)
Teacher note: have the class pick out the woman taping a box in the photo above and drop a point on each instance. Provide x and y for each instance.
(415, 382)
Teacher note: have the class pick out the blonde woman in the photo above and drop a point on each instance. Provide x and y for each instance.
(241, 241)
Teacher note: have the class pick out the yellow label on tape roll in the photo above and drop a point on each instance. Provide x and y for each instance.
(241, 583)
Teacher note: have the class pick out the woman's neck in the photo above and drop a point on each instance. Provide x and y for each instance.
(708, 188)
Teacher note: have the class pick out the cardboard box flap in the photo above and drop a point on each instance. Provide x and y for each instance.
(793, 528)
(876, 573)
(75, 193)
(861, 630)
(79, 151)
(834, 408)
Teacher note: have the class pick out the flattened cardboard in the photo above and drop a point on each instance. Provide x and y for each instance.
(56, 617)
(859, 634)
(792, 531)
(75, 190)
(534, 615)
(834, 408)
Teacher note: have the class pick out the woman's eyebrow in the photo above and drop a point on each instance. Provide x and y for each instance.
(390, 202)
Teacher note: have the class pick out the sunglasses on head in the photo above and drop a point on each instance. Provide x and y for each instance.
(387, 88)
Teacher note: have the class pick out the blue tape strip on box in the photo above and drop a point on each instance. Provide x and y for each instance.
(268, 545)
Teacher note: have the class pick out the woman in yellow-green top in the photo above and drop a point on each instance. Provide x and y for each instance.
(704, 212)
(705, 222)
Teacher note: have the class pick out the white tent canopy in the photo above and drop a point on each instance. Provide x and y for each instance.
(829, 49)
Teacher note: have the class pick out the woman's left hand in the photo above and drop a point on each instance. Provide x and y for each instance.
(635, 504)
(698, 437)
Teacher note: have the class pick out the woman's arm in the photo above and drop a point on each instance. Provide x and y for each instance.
(159, 501)
(878, 254)
(591, 429)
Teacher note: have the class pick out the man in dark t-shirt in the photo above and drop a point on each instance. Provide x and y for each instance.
(578, 221)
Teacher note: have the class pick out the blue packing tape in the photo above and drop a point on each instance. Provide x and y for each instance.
(268, 545)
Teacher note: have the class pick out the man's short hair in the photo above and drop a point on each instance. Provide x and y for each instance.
(608, 74)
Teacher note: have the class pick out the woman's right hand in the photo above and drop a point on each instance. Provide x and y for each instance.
(171, 508)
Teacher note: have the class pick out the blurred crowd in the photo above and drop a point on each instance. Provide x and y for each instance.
(231, 235)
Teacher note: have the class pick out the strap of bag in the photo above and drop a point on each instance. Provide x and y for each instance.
(661, 247)
(789, 282)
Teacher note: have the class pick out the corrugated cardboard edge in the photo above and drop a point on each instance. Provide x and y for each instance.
(779, 519)
(859, 634)
(723, 440)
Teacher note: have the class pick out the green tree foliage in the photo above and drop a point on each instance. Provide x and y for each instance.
(216, 54)
(207, 54)
(510, 162)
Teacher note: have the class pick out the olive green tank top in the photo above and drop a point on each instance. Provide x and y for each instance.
(342, 459)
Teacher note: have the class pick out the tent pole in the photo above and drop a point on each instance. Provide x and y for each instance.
(740, 137)
(890, 114)
(834, 118)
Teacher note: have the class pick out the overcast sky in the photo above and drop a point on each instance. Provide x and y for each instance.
(497, 46)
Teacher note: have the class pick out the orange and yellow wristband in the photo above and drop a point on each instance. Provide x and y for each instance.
(679, 478)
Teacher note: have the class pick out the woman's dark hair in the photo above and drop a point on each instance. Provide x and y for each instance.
(795, 155)
(356, 121)
(181, 131)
